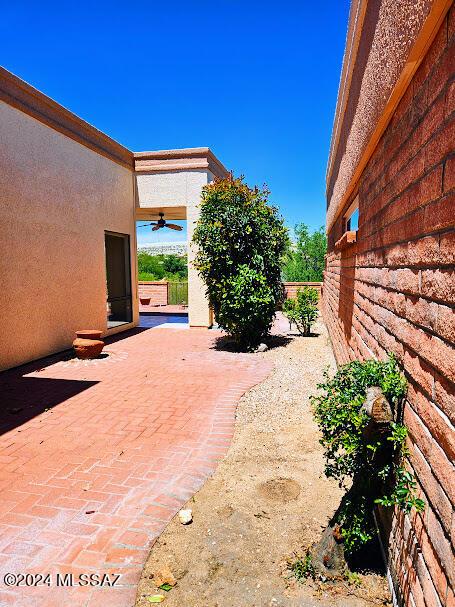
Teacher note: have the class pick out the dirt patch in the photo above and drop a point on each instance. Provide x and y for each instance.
(280, 490)
(267, 501)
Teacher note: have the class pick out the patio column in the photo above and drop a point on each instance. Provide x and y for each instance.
(199, 313)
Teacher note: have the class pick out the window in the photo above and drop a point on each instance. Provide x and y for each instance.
(353, 222)
(351, 217)
(350, 225)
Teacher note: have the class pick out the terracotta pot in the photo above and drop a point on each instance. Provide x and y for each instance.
(88, 348)
(145, 301)
(89, 334)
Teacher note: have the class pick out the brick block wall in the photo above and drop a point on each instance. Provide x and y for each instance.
(291, 288)
(394, 291)
(157, 291)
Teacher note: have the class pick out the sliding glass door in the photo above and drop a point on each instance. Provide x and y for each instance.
(118, 279)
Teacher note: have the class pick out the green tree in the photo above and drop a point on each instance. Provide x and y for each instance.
(241, 241)
(306, 260)
(157, 267)
(151, 265)
(173, 264)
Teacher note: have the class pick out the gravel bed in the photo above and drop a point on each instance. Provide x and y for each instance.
(267, 501)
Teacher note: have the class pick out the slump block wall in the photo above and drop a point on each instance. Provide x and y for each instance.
(394, 291)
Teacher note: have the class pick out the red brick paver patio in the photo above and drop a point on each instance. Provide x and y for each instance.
(96, 457)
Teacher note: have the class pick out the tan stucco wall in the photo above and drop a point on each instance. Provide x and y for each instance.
(57, 199)
(180, 189)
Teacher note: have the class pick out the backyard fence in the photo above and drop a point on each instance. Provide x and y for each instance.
(291, 288)
(162, 293)
(177, 293)
(156, 291)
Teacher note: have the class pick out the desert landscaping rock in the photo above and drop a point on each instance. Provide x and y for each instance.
(185, 516)
(267, 502)
(164, 576)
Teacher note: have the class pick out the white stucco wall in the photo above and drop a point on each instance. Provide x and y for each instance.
(180, 189)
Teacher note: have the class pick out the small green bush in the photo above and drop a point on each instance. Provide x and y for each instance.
(303, 310)
(241, 241)
(372, 467)
(303, 568)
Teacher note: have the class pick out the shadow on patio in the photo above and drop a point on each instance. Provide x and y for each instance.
(23, 398)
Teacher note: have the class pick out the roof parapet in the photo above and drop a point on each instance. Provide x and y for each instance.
(24, 97)
(179, 160)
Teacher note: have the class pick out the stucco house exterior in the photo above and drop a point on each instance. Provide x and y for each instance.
(390, 281)
(70, 196)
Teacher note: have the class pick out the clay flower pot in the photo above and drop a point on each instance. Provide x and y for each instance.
(89, 334)
(145, 301)
(87, 348)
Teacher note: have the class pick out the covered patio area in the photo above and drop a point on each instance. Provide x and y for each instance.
(170, 182)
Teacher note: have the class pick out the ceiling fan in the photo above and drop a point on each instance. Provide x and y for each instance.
(162, 223)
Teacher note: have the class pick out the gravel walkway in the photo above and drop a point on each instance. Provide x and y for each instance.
(267, 500)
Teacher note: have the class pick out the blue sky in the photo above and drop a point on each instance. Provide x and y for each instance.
(254, 81)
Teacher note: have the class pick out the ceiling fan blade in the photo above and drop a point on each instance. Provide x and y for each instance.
(156, 227)
(174, 226)
(147, 224)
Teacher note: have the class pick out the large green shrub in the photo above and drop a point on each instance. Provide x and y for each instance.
(370, 465)
(241, 241)
(303, 310)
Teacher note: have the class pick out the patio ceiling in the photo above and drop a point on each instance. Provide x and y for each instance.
(152, 213)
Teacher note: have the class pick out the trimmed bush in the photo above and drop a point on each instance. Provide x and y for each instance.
(241, 242)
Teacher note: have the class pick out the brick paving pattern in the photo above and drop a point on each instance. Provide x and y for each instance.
(96, 457)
